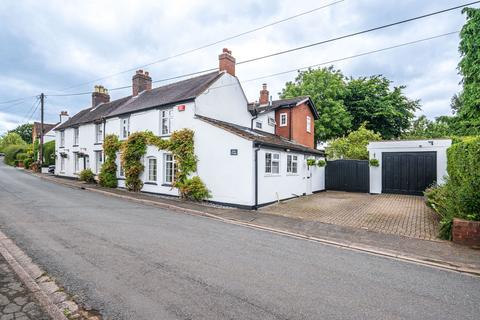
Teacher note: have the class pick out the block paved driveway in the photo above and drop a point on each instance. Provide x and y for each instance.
(387, 213)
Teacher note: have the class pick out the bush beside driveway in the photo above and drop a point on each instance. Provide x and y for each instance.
(402, 215)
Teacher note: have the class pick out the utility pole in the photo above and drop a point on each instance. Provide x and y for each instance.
(40, 150)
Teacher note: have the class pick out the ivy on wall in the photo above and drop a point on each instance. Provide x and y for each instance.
(108, 173)
(181, 145)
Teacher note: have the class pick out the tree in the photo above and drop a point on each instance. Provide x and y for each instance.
(422, 128)
(353, 146)
(326, 87)
(371, 100)
(25, 132)
(468, 121)
(11, 138)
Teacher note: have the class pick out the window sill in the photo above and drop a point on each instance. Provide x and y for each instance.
(167, 185)
(98, 143)
(272, 175)
(292, 174)
(150, 183)
(120, 178)
(165, 135)
(61, 147)
(75, 145)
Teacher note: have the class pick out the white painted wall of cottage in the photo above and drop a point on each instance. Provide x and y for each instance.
(225, 101)
(375, 150)
(283, 186)
(263, 118)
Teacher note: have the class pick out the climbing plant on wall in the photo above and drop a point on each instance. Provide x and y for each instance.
(108, 173)
(181, 145)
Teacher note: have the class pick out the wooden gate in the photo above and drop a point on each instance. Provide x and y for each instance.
(347, 175)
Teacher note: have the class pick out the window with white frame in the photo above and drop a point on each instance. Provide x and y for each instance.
(283, 119)
(309, 124)
(99, 132)
(152, 169)
(271, 121)
(76, 162)
(98, 161)
(124, 128)
(62, 164)
(258, 125)
(166, 120)
(292, 163)
(75, 136)
(62, 139)
(168, 168)
(272, 163)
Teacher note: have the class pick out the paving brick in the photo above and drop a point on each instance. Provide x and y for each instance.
(403, 215)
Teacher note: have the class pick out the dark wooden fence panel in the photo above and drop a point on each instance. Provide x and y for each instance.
(347, 175)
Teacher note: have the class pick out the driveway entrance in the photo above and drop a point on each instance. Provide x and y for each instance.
(403, 215)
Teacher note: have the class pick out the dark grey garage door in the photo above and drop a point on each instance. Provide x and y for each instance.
(408, 172)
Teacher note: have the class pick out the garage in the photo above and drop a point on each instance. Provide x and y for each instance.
(407, 166)
(408, 172)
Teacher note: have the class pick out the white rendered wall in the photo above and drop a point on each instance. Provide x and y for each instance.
(286, 185)
(263, 118)
(225, 101)
(375, 150)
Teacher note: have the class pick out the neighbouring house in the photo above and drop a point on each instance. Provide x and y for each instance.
(48, 132)
(249, 154)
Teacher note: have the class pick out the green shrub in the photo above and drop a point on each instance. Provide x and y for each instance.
(11, 152)
(27, 163)
(193, 189)
(459, 197)
(49, 153)
(87, 175)
(374, 162)
(108, 174)
(311, 162)
(21, 156)
(321, 163)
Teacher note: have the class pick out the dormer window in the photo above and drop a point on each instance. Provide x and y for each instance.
(283, 119)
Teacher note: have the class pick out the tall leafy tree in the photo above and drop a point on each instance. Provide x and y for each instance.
(373, 101)
(11, 138)
(24, 131)
(468, 113)
(353, 146)
(326, 87)
(422, 128)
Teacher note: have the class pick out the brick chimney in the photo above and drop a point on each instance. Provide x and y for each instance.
(63, 116)
(141, 81)
(264, 95)
(226, 62)
(100, 95)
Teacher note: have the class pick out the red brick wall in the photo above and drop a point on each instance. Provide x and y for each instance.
(299, 125)
(466, 232)
(297, 119)
(282, 131)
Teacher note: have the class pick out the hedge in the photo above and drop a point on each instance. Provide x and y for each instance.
(49, 153)
(11, 152)
(459, 197)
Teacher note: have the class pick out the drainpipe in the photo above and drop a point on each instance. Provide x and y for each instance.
(256, 175)
(290, 124)
(104, 126)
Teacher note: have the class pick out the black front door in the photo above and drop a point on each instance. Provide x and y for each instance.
(408, 172)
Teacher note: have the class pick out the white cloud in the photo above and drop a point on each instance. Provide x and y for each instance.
(51, 45)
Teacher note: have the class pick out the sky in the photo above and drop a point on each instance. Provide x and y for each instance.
(59, 47)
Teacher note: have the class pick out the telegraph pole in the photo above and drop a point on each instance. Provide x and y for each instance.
(40, 150)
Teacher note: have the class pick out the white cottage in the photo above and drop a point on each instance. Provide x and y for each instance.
(249, 154)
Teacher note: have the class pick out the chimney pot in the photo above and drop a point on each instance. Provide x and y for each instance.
(100, 95)
(264, 94)
(226, 62)
(141, 81)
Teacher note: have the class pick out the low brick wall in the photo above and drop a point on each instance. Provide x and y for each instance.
(466, 232)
